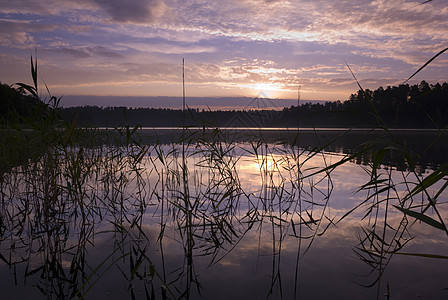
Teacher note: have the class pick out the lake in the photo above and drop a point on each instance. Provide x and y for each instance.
(230, 214)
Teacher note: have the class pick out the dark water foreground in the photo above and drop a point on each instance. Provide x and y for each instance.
(329, 270)
(225, 217)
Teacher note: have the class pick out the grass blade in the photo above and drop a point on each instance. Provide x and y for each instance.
(422, 217)
(427, 63)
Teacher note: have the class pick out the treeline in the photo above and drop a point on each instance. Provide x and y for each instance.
(404, 106)
(419, 105)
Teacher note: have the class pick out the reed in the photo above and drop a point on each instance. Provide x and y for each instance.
(81, 189)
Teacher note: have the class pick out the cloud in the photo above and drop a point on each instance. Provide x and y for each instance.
(25, 26)
(380, 25)
(383, 27)
(16, 33)
(59, 44)
(317, 67)
(44, 7)
(133, 11)
(17, 39)
(77, 29)
(75, 53)
(230, 43)
(65, 49)
(168, 48)
(109, 54)
(23, 6)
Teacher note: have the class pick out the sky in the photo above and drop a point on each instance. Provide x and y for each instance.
(231, 48)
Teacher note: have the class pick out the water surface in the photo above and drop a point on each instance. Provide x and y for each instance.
(218, 219)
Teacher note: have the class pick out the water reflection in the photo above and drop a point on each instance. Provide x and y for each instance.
(220, 220)
(427, 147)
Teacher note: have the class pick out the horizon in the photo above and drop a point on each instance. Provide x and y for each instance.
(166, 102)
(237, 49)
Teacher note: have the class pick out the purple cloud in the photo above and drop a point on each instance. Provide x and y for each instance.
(232, 47)
(132, 11)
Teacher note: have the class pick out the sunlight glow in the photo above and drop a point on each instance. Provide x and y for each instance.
(265, 90)
(255, 166)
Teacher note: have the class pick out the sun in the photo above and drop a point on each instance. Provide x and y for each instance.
(266, 90)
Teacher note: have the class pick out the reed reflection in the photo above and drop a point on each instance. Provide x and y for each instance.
(167, 220)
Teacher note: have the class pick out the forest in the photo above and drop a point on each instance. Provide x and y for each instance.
(421, 105)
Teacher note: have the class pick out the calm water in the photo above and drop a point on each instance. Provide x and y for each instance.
(222, 220)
